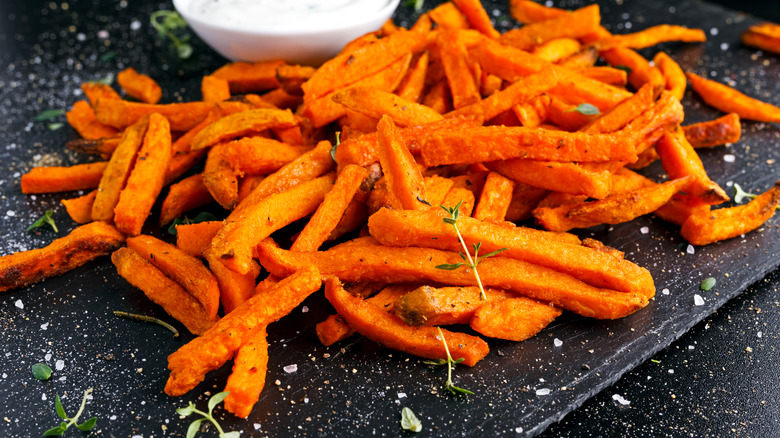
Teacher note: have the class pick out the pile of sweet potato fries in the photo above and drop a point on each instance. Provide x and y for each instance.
(450, 112)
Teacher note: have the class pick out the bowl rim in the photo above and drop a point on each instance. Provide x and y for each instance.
(182, 6)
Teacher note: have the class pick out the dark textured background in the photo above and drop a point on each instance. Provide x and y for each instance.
(715, 381)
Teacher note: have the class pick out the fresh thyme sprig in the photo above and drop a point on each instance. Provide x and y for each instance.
(84, 427)
(740, 195)
(584, 109)
(195, 425)
(43, 221)
(166, 23)
(454, 390)
(416, 4)
(470, 262)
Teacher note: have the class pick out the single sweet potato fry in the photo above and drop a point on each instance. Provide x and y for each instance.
(82, 118)
(723, 130)
(651, 36)
(247, 378)
(534, 112)
(328, 214)
(81, 245)
(80, 209)
(165, 292)
(234, 288)
(528, 11)
(641, 70)
(608, 75)
(565, 115)
(390, 264)
(615, 209)
(376, 103)
(101, 146)
(578, 179)
(432, 306)
(240, 124)
(219, 178)
(514, 319)
(680, 207)
(190, 363)
(439, 97)
(56, 179)
(494, 200)
(673, 74)
(679, 160)
(195, 239)
(764, 36)
(622, 113)
(97, 90)
(525, 199)
(729, 100)
(121, 113)
(260, 155)
(412, 85)
(707, 227)
(235, 241)
(477, 16)
(559, 251)
(576, 24)
(146, 179)
(557, 49)
(666, 113)
(463, 196)
(214, 89)
(455, 60)
(183, 158)
(380, 326)
(404, 180)
(246, 77)
(180, 267)
(139, 86)
(185, 195)
(118, 170)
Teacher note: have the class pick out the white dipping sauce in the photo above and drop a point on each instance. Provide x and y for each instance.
(284, 14)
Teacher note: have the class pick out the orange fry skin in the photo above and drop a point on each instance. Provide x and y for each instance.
(81, 245)
(55, 179)
(185, 195)
(764, 36)
(121, 113)
(162, 290)
(652, 36)
(577, 179)
(404, 180)
(80, 209)
(672, 73)
(729, 100)
(248, 77)
(723, 130)
(195, 239)
(82, 118)
(247, 378)
(139, 86)
(190, 363)
(707, 227)
(576, 24)
(513, 319)
(432, 306)
(380, 326)
(242, 123)
(375, 103)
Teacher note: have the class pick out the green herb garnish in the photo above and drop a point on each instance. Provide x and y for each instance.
(55, 126)
(707, 284)
(625, 68)
(409, 421)
(335, 145)
(167, 23)
(585, 109)
(740, 195)
(43, 221)
(471, 263)
(416, 4)
(449, 362)
(195, 425)
(151, 319)
(60, 430)
(41, 371)
(201, 217)
(655, 361)
(105, 80)
(49, 114)
(108, 56)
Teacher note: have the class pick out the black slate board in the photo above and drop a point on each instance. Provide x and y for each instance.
(357, 388)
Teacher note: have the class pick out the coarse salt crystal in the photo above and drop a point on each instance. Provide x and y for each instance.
(47, 357)
(519, 429)
(557, 342)
(724, 46)
(619, 398)
(690, 249)
(59, 365)
(19, 304)
(291, 368)
(304, 309)
(644, 230)
(401, 394)
(43, 396)
(257, 426)
(714, 31)
(665, 291)
(698, 300)
(44, 326)
(543, 391)
(670, 371)
(759, 334)
(729, 158)
(10, 213)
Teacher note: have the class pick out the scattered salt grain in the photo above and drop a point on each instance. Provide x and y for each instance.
(291, 368)
(670, 371)
(519, 429)
(714, 31)
(557, 342)
(47, 357)
(43, 397)
(135, 25)
(691, 347)
(690, 249)
(644, 230)
(543, 391)
(401, 394)
(304, 309)
(257, 426)
(665, 291)
(112, 418)
(619, 398)
(698, 300)
(102, 34)
(59, 365)
(45, 326)
(10, 213)
(759, 334)
(19, 304)
(724, 46)
(729, 158)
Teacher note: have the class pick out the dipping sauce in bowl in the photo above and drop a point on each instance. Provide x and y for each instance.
(298, 31)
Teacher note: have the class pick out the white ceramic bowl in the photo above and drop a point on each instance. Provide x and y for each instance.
(310, 46)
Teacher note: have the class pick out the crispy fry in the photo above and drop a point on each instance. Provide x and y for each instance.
(576, 24)
(534, 112)
(240, 124)
(495, 198)
(680, 207)
(162, 290)
(97, 90)
(404, 180)
(455, 60)
(80, 209)
(247, 378)
(439, 97)
(764, 36)
(525, 198)
(183, 158)
(614, 209)
(139, 86)
(722, 130)
(477, 16)
(56, 179)
(432, 306)
(447, 16)
(729, 100)
(463, 196)
(578, 179)
(380, 326)
(514, 319)
(707, 227)
(214, 89)
(672, 73)
(651, 36)
(184, 269)
(121, 113)
(566, 116)
(330, 211)
(146, 179)
(190, 363)
(260, 155)
(82, 118)
(652, 123)
(608, 75)
(187, 194)
(412, 85)
(622, 113)
(245, 77)
(219, 178)
(101, 146)
(557, 49)
(81, 245)
(234, 288)
(195, 239)
(292, 77)
(376, 103)
(380, 263)
(118, 170)
(641, 70)
(235, 242)
(528, 11)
